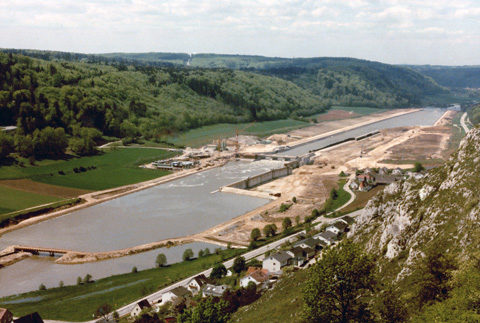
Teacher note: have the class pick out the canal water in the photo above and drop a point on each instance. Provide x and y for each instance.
(426, 117)
(177, 208)
(181, 207)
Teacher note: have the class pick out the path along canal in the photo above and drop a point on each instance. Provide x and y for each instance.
(177, 208)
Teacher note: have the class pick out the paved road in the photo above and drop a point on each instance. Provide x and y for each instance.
(155, 297)
(462, 122)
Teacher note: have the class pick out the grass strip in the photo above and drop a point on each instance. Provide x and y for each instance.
(78, 303)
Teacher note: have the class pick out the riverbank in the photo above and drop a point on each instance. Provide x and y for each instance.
(236, 230)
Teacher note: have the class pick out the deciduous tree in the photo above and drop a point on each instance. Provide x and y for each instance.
(161, 260)
(339, 285)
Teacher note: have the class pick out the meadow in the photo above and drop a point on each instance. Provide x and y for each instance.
(106, 170)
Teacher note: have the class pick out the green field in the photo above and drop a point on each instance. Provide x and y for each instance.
(360, 110)
(206, 135)
(13, 200)
(77, 303)
(107, 170)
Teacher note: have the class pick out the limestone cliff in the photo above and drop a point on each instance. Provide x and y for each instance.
(440, 210)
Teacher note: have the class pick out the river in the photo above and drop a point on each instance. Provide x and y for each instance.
(426, 117)
(177, 208)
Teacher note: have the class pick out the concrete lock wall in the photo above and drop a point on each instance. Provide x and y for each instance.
(261, 178)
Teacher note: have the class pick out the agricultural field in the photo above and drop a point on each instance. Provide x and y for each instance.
(12, 200)
(208, 134)
(107, 170)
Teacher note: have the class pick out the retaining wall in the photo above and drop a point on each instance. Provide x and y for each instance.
(261, 178)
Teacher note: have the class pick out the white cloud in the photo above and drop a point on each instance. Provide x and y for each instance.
(266, 27)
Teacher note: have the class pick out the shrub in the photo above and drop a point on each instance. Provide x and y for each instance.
(82, 169)
(61, 172)
(42, 287)
(76, 170)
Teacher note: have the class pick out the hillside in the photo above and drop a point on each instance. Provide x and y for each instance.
(423, 236)
(54, 101)
(452, 76)
(344, 81)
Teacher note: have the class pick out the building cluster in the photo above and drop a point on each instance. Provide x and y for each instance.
(368, 178)
(175, 163)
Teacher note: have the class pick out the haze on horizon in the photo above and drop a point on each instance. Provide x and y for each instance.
(441, 32)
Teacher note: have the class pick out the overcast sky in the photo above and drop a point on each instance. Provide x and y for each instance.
(443, 32)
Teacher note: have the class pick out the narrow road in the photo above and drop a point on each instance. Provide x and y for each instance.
(155, 297)
(462, 122)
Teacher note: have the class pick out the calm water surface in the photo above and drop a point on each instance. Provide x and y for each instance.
(174, 209)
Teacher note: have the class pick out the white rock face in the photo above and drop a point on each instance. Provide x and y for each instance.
(408, 218)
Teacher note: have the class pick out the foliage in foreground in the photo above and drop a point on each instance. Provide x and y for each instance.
(339, 285)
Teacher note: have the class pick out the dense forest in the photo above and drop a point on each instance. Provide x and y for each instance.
(75, 102)
(452, 76)
(64, 100)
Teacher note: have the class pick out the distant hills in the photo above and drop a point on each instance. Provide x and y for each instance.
(153, 94)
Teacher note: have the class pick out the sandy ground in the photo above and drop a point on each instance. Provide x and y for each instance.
(309, 184)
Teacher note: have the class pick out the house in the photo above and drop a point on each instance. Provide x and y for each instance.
(307, 243)
(299, 256)
(328, 237)
(383, 171)
(176, 293)
(259, 277)
(386, 179)
(275, 262)
(30, 318)
(354, 186)
(140, 306)
(347, 219)
(397, 171)
(5, 316)
(337, 228)
(196, 283)
(215, 291)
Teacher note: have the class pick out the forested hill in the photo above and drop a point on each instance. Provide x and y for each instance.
(129, 101)
(345, 81)
(338, 81)
(452, 76)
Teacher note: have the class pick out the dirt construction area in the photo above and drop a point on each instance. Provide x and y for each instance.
(311, 184)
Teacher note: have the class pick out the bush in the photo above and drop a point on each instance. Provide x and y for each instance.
(82, 169)
(284, 207)
(42, 287)
(61, 172)
(134, 270)
(76, 170)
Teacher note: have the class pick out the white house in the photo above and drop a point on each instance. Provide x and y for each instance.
(327, 236)
(175, 293)
(275, 262)
(143, 304)
(212, 290)
(196, 283)
(337, 227)
(307, 243)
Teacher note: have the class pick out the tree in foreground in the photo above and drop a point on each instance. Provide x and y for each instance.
(267, 230)
(286, 223)
(218, 271)
(339, 285)
(161, 260)
(255, 234)
(208, 310)
(238, 264)
(188, 254)
(103, 311)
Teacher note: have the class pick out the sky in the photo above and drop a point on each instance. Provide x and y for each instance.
(436, 32)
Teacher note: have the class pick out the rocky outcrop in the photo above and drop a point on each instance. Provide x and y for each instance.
(440, 210)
